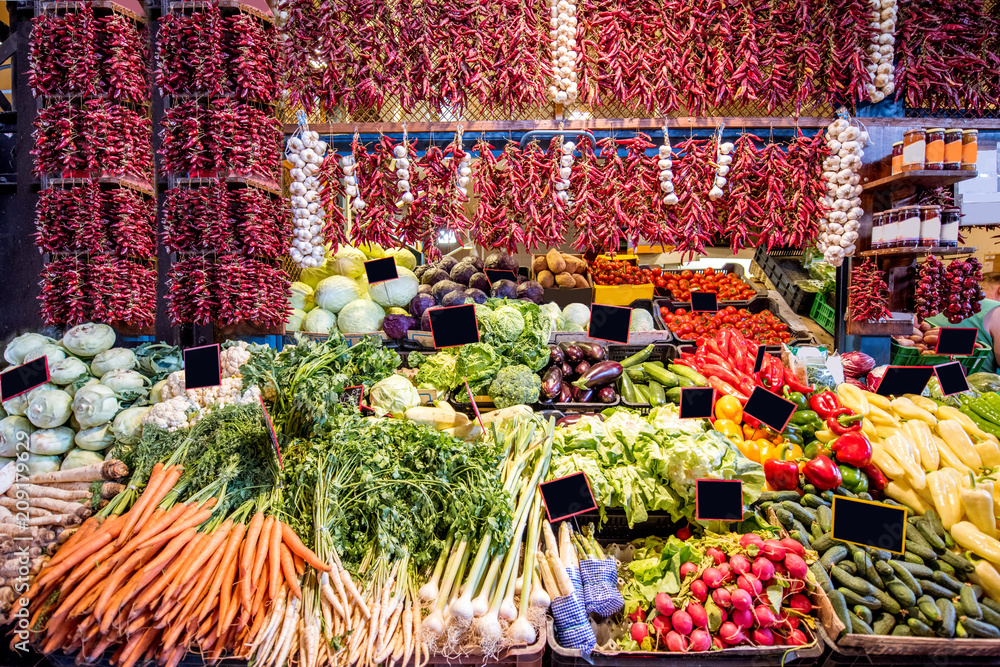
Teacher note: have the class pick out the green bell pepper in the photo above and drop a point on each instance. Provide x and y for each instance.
(855, 481)
(814, 449)
(800, 400)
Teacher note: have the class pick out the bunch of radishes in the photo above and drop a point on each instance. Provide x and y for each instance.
(839, 228)
(735, 587)
(562, 49)
(305, 153)
(666, 166)
(880, 51)
(722, 161)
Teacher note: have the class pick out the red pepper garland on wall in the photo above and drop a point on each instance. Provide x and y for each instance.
(868, 293)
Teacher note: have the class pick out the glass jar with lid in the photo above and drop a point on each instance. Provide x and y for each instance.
(950, 219)
(934, 149)
(930, 226)
(908, 227)
(877, 230)
(953, 149)
(970, 149)
(890, 228)
(897, 155)
(914, 149)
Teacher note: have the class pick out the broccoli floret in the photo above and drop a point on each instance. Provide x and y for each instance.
(515, 385)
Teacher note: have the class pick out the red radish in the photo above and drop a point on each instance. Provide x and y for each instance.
(740, 564)
(727, 572)
(682, 622)
(661, 624)
(765, 616)
(731, 634)
(750, 583)
(700, 641)
(790, 621)
(637, 615)
(688, 568)
(751, 540)
(713, 577)
(763, 637)
(796, 638)
(676, 643)
(796, 566)
(683, 533)
(763, 569)
(794, 546)
(664, 604)
(716, 555)
(741, 599)
(699, 589)
(718, 643)
(795, 586)
(743, 618)
(800, 603)
(699, 617)
(722, 598)
(640, 631)
(773, 550)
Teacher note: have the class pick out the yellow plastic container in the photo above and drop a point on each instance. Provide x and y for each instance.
(622, 295)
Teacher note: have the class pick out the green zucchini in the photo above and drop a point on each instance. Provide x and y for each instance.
(656, 395)
(638, 357)
(689, 373)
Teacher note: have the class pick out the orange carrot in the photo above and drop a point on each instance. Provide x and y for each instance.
(160, 522)
(129, 658)
(226, 598)
(151, 592)
(247, 557)
(228, 558)
(175, 656)
(288, 569)
(189, 520)
(113, 583)
(156, 476)
(156, 566)
(188, 601)
(300, 565)
(261, 552)
(198, 558)
(258, 609)
(85, 529)
(296, 547)
(99, 542)
(97, 575)
(170, 477)
(274, 559)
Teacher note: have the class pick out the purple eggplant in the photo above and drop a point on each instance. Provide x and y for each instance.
(583, 395)
(600, 374)
(606, 394)
(551, 382)
(570, 419)
(556, 355)
(592, 352)
(581, 368)
(567, 370)
(565, 393)
(573, 353)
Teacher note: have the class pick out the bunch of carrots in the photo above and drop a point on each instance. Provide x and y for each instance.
(163, 578)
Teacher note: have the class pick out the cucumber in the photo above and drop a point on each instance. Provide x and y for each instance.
(925, 603)
(840, 609)
(921, 571)
(889, 603)
(803, 514)
(864, 613)
(864, 495)
(935, 590)
(930, 536)
(977, 589)
(982, 629)
(902, 593)
(878, 554)
(911, 557)
(812, 501)
(969, 606)
(824, 515)
(919, 550)
(991, 603)
(855, 600)
(946, 624)
(944, 567)
(907, 578)
(866, 568)
(841, 491)
(849, 567)
(934, 520)
(808, 488)
(822, 578)
(824, 542)
(784, 516)
(902, 631)
(815, 531)
(943, 579)
(990, 616)
(801, 536)
(782, 496)
(960, 631)
(913, 534)
(859, 586)
(859, 626)
(960, 563)
(827, 496)
(949, 541)
(884, 624)
(833, 556)
(886, 572)
(919, 628)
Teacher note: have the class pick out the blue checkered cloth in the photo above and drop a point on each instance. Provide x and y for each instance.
(574, 576)
(572, 625)
(600, 586)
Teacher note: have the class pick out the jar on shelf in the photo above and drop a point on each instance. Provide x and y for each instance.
(950, 219)
(890, 228)
(877, 219)
(934, 149)
(914, 149)
(953, 149)
(908, 227)
(970, 149)
(897, 155)
(930, 226)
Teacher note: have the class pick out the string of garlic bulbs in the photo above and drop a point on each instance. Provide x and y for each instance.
(666, 166)
(305, 152)
(839, 228)
(348, 165)
(881, 51)
(562, 48)
(722, 160)
(401, 153)
(464, 167)
(566, 160)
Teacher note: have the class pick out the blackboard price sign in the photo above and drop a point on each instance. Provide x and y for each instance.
(899, 380)
(718, 500)
(381, 270)
(951, 377)
(704, 302)
(956, 341)
(23, 378)
(454, 325)
(202, 367)
(769, 408)
(696, 402)
(870, 524)
(610, 323)
(567, 496)
(352, 396)
(758, 362)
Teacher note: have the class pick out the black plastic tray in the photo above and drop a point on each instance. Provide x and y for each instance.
(730, 267)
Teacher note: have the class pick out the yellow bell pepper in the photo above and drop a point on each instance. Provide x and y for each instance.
(972, 539)
(906, 409)
(868, 429)
(854, 398)
(919, 433)
(784, 450)
(944, 486)
(977, 500)
(901, 492)
(749, 449)
(923, 402)
(948, 457)
(903, 452)
(729, 408)
(729, 428)
(825, 436)
(989, 453)
(885, 462)
(987, 576)
(958, 441)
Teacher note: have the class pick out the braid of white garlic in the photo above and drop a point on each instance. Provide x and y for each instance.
(566, 160)
(881, 51)
(665, 164)
(839, 228)
(305, 152)
(723, 159)
(563, 51)
(402, 164)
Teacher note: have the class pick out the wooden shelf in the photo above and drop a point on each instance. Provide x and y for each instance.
(259, 182)
(901, 324)
(129, 182)
(924, 178)
(892, 252)
(43, 6)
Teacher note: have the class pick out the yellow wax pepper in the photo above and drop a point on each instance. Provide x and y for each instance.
(880, 417)
(977, 499)
(885, 462)
(876, 400)
(729, 408)
(854, 398)
(987, 576)
(906, 409)
(989, 452)
(902, 492)
(958, 441)
(923, 402)
(906, 455)
(948, 457)
(972, 539)
(919, 434)
(944, 486)
(868, 429)
(948, 412)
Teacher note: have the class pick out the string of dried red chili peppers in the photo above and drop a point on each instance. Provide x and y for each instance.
(227, 290)
(868, 292)
(87, 219)
(101, 288)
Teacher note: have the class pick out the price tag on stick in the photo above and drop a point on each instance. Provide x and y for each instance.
(567, 496)
(770, 409)
(475, 408)
(270, 428)
(759, 361)
(202, 367)
(718, 500)
(704, 302)
(956, 341)
(353, 396)
(899, 380)
(494, 275)
(610, 323)
(696, 402)
(869, 524)
(20, 379)
(381, 270)
(454, 325)
(951, 377)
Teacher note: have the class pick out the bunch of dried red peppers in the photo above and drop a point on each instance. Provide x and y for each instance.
(98, 288)
(867, 293)
(227, 289)
(92, 220)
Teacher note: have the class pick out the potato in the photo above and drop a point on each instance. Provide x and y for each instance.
(581, 280)
(917, 338)
(925, 326)
(538, 264)
(565, 280)
(545, 278)
(555, 261)
(573, 264)
(931, 339)
(906, 342)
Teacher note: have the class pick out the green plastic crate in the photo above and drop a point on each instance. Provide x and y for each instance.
(909, 356)
(824, 315)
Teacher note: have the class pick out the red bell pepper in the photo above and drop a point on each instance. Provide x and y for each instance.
(780, 474)
(852, 449)
(770, 376)
(822, 473)
(843, 420)
(794, 384)
(824, 403)
(877, 481)
(713, 358)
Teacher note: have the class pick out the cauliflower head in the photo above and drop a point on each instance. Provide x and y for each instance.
(515, 385)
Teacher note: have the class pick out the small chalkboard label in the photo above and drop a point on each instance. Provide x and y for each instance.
(352, 396)
(567, 496)
(956, 341)
(870, 524)
(769, 408)
(610, 323)
(454, 325)
(202, 367)
(758, 363)
(696, 402)
(951, 376)
(494, 275)
(475, 408)
(704, 302)
(270, 428)
(899, 380)
(381, 270)
(23, 378)
(718, 500)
